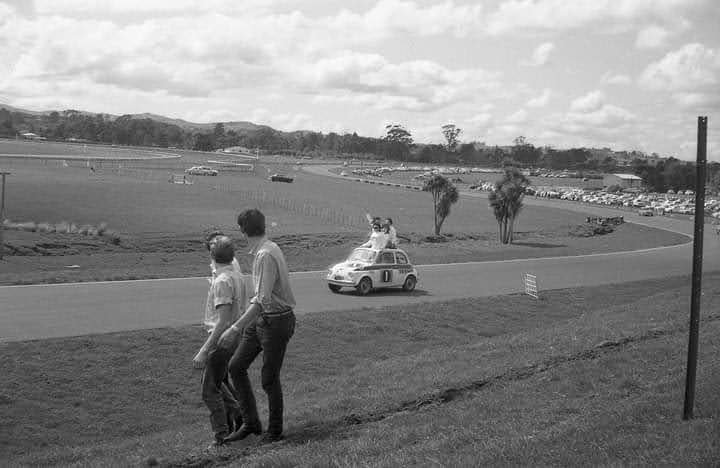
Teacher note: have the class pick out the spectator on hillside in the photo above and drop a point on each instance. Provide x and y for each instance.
(209, 239)
(267, 325)
(225, 301)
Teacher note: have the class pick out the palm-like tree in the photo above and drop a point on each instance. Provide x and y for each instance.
(445, 194)
(506, 201)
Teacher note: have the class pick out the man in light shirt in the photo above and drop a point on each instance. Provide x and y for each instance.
(267, 325)
(225, 302)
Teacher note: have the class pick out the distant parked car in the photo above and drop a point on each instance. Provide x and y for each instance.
(645, 212)
(202, 170)
(280, 178)
(344, 173)
(368, 269)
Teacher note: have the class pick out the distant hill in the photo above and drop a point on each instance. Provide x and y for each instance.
(238, 126)
(22, 111)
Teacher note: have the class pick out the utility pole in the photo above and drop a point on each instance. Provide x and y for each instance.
(2, 215)
(697, 269)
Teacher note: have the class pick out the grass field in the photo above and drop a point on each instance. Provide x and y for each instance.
(316, 219)
(590, 376)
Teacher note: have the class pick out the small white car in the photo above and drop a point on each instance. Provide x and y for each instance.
(202, 170)
(367, 269)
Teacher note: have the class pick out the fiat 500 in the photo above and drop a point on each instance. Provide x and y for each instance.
(367, 269)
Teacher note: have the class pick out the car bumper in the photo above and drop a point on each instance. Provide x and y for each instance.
(341, 282)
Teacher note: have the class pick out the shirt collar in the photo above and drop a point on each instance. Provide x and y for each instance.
(219, 268)
(255, 244)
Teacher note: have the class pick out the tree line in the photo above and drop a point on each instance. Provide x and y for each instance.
(396, 145)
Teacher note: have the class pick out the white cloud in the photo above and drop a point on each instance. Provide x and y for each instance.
(690, 67)
(615, 79)
(541, 100)
(414, 85)
(540, 55)
(691, 74)
(589, 102)
(651, 37)
(480, 120)
(518, 117)
(520, 15)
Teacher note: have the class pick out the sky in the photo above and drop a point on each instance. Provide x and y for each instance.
(624, 74)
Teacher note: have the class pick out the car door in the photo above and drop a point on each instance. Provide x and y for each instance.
(388, 275)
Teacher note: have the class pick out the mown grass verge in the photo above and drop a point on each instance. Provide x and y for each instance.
(589, 376)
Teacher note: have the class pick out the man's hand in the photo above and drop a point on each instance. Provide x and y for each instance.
(199, 359)
(227, 339)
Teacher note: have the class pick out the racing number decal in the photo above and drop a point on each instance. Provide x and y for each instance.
(386, 276)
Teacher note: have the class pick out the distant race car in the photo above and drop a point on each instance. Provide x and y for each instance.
(202, 170)
(280, 178)
(367, 269)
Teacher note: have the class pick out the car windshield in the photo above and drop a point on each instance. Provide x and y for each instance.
(361, 255)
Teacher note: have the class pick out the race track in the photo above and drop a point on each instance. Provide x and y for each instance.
(50, 311)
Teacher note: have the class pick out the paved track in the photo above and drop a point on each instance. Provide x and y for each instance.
(49, 311)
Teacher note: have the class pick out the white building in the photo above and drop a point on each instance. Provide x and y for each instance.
(623, 180)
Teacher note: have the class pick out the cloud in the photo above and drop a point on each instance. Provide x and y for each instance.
(553, 15)
(541, 100)
(518, 117)
(589, 102)
(691, 74)
(615, 79)
(540, 55)
(414, 85)
(482, 119)
(651, 37)
(690, 67)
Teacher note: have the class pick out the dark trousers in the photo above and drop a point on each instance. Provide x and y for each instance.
(269, 335)
(217, 393)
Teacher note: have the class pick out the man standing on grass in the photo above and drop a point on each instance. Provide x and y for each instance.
(267, 325)
(225, 303)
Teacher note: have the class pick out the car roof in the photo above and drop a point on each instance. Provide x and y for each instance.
(381, 250)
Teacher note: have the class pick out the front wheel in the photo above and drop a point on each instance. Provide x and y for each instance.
(410, 283)
(364, 286)
(334, 287)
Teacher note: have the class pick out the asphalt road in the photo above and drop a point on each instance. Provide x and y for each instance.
(60, 310)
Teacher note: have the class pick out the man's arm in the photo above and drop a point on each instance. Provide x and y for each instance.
(265, 283)
(224, 321)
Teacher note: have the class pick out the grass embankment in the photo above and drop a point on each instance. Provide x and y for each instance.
(590, 376)
(45, 257)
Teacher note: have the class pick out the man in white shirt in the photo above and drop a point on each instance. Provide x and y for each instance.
(225, 302)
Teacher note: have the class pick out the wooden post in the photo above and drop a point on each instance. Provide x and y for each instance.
(2, 215)
(697, 269)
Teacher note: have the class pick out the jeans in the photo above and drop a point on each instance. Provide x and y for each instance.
(269, 335)
(216, 391)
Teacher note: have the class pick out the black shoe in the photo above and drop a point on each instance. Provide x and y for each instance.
(219, 438)
(269, 438)
(234, 421)
(243, 432)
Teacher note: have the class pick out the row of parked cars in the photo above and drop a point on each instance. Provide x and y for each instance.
(648, 204)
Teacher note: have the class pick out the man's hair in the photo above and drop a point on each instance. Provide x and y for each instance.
(388, 220)
(252, 222)
(211, 237)
(222, 249)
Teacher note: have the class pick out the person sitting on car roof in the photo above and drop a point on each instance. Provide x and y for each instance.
(378, 239)
(391, 232)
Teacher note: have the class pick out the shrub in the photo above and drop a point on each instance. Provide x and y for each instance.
(590, 230)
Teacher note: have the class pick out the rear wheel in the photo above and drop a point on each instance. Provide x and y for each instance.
(364, 286)
(410, 283)
(334, 287)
